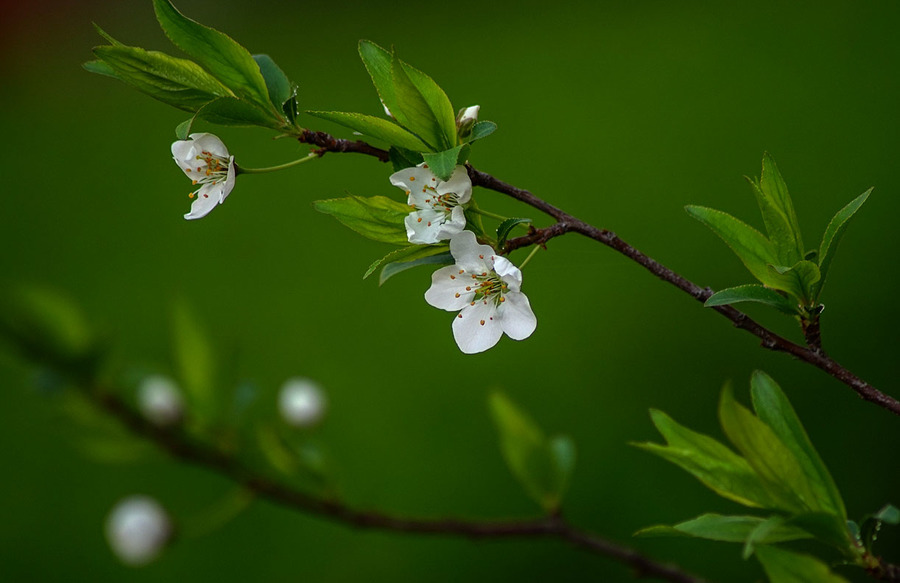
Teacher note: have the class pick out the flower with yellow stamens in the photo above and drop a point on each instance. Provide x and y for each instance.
(206, 161)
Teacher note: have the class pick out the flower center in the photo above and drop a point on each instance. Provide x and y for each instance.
(490, 288)
(442, 203)
(211, 169)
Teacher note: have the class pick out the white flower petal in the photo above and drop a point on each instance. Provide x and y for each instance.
(422, 198)
(459, 184)
(477, 328)
(516, 317)
(448, 289)
(452, 225)
(229, 180)
(210, 143)
(424, 227)
(206, 200)
(469, 254)
(413, 179)
(508, 272)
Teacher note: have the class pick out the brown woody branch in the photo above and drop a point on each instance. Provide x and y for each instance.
(183, 447)
(814, 354)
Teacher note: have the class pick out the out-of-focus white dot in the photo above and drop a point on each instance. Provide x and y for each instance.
(301, 402)
(137, 530)
(159, 400)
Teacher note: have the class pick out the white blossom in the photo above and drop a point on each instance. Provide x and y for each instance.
(485, 288)
(206, 161)
(438, 206)
(137, 530)
(301, 402)
(159, 400)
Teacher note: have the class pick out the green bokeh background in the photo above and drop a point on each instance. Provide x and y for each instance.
(619, 112)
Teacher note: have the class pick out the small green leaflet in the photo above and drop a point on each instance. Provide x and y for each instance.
(380, 129)
(751, 293)
(405, 255)
(379, 218)
(737, 529)
(392, 269)
(783, 566)
(442, 164)
(506, 227)
(833, 234)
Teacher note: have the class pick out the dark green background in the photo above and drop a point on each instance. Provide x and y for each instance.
(620, 113)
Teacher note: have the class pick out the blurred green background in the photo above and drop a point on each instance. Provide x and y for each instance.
(619, 112)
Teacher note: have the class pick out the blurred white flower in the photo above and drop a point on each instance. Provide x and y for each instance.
(137, 530)
(206, 161)
(159, 400)
(301, 402)
(439, 206)
(485, 288)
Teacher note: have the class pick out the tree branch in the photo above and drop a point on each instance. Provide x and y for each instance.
(565, 223)
(185, 448)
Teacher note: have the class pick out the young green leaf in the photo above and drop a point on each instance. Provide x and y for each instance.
(218, 53)
(482, 129)
(777, 467)
(783, 566)
(231, 111)
(506, 227)
(177, 82)
(752, 293)
(773, 408)
(100, 68)
(395, 267)
(833, 234)
(194, 360)
(542, 467)
(797, 280)
(751, 247)
(412, 111)
(828, 529)
(778, 213)
(406, 254)
(437, 101)
(183, 130)
(442, 164)
(726, 528)
(402, 158)
(378, 63)
(277, 84)
(380, 129)
(379, 218)
(716, 466)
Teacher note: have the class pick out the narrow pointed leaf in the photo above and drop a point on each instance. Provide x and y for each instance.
(725, 528)
(833, 234)
(413, 111)
(380, 129)
(482, 129)
(231, 111)
(183, 130)
(776, 466)
(506, 227)
(761, 533)
(716, 466)
(406, 254)
(774, 409)
(797, 280)
(778, 213)
(442, 163)
(378, 63)
(751, 247)
(402, 158)
(277, 84)
(752, 293)
(395, 267)
(218, 53)
(828, 529)
(378, 218)
(783, 566)
(437, 101)
(100, 68)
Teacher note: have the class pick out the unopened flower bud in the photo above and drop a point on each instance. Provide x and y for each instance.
(301, 402)
(465, 119)
(159, 400)
(137, 530)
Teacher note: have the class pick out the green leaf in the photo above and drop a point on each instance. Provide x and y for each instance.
(482, 129)
(177, 82)
(716, 466)
(378, 63)
(402, 158)
(380, 129)
(106, 36)
(506, 227)
(474, 222)
(751, 247)
(778, 213)
(194, 360)
(406, 254)
(231, 111)
(833, 234)
(777, 467)
(762, 532)
(218, 53)
(797, 280)
(543, 468)
(827, 529)
(774, 409)
(379, 218)
(889, 514)
(783, 566)
(720, 527)
(751, 293)
(442, 164)
(413, 111)
(463, 156)
(277, 84)
(183, 130)
(392, 269)
(437, 101)
(100, 68)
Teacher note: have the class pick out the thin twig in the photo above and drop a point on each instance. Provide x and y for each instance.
(183, 447)
(565, 223)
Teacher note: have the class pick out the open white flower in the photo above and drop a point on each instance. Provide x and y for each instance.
(485, 287)
(439, 211)
(137, 529)
(206, 161)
